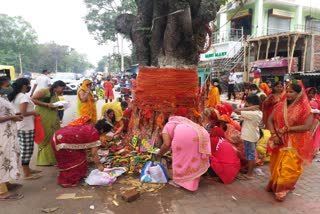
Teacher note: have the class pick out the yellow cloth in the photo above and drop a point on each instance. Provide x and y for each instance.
(213, 97)
(116, 107)
(261, 145)
(87, 108)
(3, 188)
(286, 168)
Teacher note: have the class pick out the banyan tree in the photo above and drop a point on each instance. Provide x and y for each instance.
(168, 37)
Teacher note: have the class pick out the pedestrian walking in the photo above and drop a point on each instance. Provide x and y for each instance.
(291, 142)
(231, 84)
(42, 81)
(108, 90)
(256, 75)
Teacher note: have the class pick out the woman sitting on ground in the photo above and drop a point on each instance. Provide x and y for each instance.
(224, 161)
(70, 144)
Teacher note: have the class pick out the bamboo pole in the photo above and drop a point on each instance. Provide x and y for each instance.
(249, 63)
(244, 58)
(259, 46)
(277, 45)
(304, 54)
(295, 39)
(288, 51)
(268, 46)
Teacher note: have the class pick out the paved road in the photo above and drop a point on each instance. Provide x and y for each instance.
(240, 197)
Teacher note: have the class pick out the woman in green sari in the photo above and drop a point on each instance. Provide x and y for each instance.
(44, 100)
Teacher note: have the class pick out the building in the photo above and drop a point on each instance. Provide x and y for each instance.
(281, 36)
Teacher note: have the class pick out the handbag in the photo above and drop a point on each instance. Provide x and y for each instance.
(38, 130)
(153, 172)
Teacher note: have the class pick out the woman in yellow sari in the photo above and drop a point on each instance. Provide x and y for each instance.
(214, 94)
(86, 101)
(290, 141)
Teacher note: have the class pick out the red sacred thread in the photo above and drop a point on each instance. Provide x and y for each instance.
(166, 89)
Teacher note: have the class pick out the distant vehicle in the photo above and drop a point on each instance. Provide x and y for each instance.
(8, 71)
(70, 79)
(27, 75)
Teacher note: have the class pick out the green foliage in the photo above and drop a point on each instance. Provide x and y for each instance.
(113, 63)
(102, 14)
(17, 37)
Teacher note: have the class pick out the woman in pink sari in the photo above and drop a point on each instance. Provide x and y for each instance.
(191, 149)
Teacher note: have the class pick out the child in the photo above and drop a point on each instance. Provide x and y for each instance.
(61, 109)
(250, 133)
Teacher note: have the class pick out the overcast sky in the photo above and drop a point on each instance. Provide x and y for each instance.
(60, 21)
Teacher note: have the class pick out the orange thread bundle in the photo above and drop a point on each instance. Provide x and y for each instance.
(165, 89)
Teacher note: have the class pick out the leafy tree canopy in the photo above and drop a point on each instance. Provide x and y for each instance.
(102, 14)
(18, 38)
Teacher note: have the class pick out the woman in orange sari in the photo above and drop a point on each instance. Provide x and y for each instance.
(214, 94)
(273, 99)
(290, 141)
(86, 101)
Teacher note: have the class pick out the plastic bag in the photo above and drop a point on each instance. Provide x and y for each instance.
(106, 177)
(154, 173)
(38, 130)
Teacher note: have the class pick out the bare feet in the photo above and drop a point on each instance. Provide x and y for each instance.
(32, 177)
(10, 196)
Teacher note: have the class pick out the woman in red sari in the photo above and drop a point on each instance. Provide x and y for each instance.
(290, 141)
(224, 161)
(273, 99)
(315, 130)
(70, 144)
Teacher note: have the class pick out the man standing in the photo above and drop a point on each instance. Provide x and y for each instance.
(256, 75)
(231, 83)
(42, 81)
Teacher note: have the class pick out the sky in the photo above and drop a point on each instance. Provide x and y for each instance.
(61, 21)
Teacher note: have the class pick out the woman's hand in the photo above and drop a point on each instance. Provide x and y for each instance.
(276, 140)
(36, 114)
(51, 106)
(100, 168)
(283, 130)
(17, 118)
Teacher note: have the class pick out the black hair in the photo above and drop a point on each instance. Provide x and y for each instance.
(253, 99)
(56, 84)
(218, 86)
(102, 126)
(113, 120)
(126, 95)
(296, 87)
(44, 71)
(275, 85)
(124, 104)
(3, 80)
(314, 90)
(120, 99)
(17, 87)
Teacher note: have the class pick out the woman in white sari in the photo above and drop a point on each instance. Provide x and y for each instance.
(9, 147)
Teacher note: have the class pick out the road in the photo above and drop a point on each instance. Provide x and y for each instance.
(240, 197)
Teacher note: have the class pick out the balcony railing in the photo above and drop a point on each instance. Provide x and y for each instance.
(227, 36)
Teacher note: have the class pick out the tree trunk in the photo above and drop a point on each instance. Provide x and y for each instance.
(168, 32)
(167, 35)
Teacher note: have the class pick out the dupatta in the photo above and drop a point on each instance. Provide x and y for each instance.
(294, 115)
(204, 143)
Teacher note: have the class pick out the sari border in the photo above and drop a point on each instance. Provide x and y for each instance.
(75, 146)
(72, 167)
